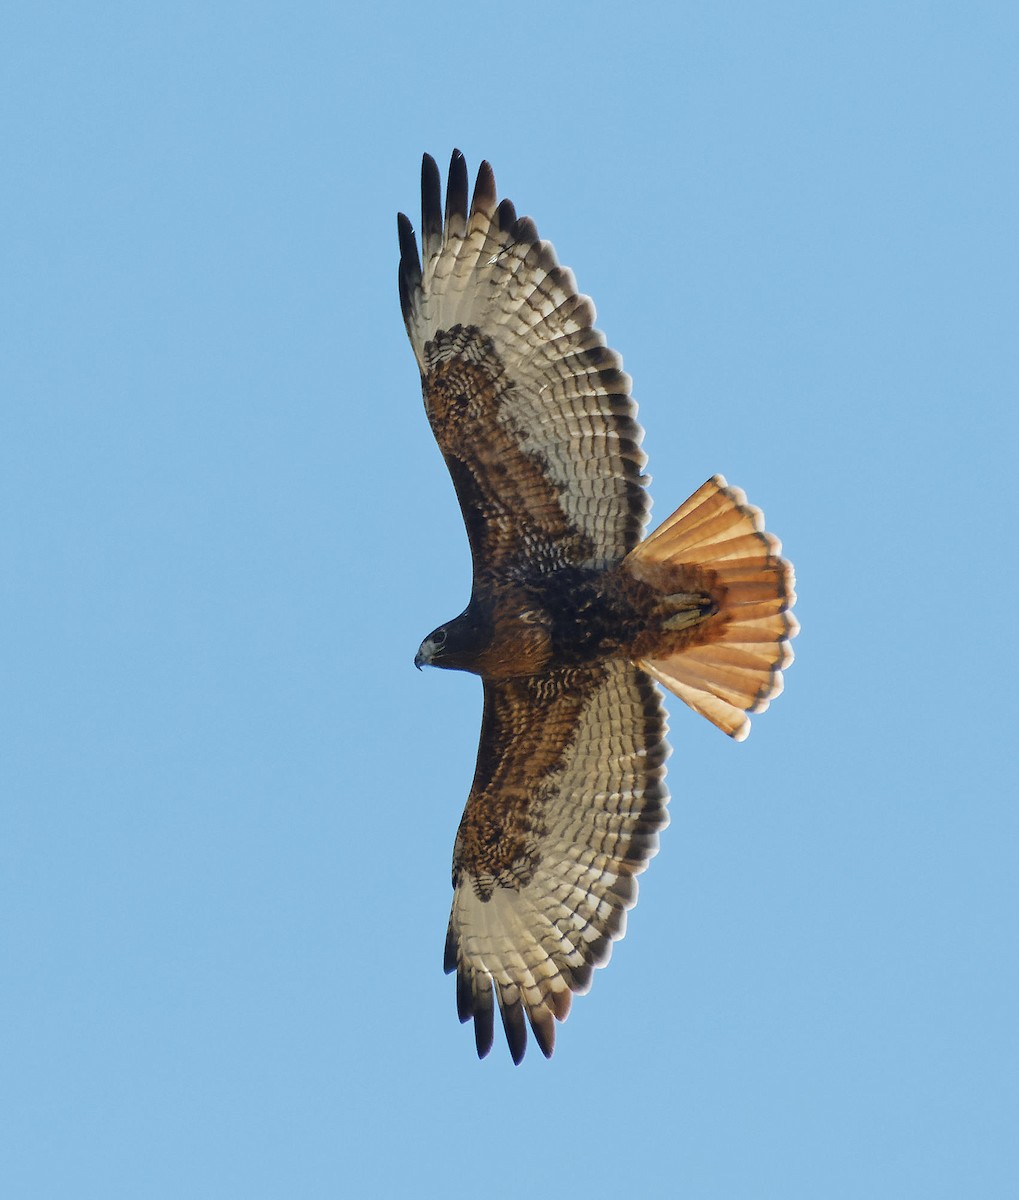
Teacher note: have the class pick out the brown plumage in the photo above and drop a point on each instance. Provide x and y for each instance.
(571, 615)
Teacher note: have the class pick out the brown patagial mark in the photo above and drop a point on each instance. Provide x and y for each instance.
(466, 389)
(572, 616)
(499, 843)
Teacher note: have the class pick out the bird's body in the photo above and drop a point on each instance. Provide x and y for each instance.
(572, 616)
(575, 617)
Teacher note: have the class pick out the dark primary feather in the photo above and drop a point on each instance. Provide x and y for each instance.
(484, 199)
(431, 208)
(456, 196)
(507, 216)
(513, 1025)
(410, 264)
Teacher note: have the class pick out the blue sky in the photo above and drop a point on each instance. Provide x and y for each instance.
(228, 800)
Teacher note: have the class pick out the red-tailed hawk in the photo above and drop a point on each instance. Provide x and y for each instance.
(572, 616)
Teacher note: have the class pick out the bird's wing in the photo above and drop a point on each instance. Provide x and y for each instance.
(566, 807)
(530, 408)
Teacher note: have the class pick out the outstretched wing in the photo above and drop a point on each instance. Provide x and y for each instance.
(566, 807)
(530, 408)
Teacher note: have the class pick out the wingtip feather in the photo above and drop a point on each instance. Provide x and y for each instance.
(484, 199)
(431, 207)
(456, 196)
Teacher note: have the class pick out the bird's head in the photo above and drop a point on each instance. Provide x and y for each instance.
(431, 649)
(455, 645)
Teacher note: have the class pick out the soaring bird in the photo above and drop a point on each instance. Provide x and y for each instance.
(572, 618)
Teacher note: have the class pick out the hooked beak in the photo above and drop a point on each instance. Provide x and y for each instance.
(430, 647)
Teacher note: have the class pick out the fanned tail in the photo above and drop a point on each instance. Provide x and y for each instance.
(732, 663)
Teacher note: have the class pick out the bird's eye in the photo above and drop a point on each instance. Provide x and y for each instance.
(439, 638)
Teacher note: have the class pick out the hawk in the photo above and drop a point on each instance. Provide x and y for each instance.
(573, 616)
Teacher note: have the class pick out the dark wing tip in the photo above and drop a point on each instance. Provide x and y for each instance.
(525, 231)
(471, 1002)
(507, 215)
(431, 206)
(408, 242)
(543, 1027)
(410, 264)
(484, 1029)
(484, 199)
(456, 189)
(464, 997)
(513, 1024)
(449, 952)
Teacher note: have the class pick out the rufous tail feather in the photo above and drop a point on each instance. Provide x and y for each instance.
(734, 666)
